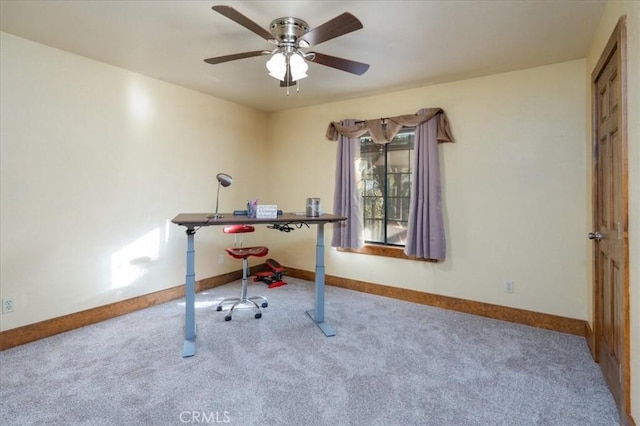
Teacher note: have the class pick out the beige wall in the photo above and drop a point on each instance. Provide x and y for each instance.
(96, 161)
(616, 9)
(513, 188)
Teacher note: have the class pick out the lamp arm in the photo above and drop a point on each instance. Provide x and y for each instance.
(218, 199)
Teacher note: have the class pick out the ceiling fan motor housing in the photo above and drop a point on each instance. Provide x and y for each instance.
(287, 31)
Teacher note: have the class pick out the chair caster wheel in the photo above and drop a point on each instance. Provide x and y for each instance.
(219, 308)
(227, 318)
(258, 315)
(265, 304)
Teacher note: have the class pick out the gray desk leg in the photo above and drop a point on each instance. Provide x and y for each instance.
(189, 347)
(317, 315)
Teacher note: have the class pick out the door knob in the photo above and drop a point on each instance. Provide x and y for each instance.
(595, 236)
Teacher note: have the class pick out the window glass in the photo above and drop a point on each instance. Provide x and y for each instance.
(386, 188)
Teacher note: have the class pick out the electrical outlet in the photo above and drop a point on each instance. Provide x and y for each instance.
(8, 305)
(220, 259)
(508, 286)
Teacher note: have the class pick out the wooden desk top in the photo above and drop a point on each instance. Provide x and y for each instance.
(191, 220)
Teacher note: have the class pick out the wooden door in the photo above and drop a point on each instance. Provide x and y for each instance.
(611, 276)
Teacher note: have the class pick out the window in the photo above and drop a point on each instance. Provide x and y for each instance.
(386, 171)
(417, 232)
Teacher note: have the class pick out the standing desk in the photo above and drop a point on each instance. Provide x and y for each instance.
(194, 221)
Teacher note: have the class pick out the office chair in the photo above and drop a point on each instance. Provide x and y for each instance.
(239, 252)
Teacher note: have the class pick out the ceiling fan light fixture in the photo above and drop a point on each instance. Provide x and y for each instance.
(277, 66)
(298, 67)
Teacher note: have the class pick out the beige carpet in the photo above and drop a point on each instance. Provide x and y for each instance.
(390, 363)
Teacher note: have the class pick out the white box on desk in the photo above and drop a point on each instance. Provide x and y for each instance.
(266, 211)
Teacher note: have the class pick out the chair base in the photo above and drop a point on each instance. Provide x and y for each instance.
(240, 303)
(244, 300)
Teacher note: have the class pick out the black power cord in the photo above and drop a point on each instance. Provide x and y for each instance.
(286, 227)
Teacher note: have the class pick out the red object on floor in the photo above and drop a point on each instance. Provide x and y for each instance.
(272, 277)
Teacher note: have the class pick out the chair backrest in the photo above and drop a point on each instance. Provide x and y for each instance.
(237, 229)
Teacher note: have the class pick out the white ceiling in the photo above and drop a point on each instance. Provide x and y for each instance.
(407, 43)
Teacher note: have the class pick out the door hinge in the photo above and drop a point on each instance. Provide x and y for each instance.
(619, 231)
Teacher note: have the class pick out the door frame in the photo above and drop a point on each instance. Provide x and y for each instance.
(617, 40)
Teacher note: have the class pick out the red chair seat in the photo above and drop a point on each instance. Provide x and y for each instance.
(245, 252)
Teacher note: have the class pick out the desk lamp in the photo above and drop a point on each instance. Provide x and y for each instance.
(223, 180)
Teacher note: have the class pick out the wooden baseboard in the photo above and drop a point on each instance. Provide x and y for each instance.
(32, 332)
(520, 316)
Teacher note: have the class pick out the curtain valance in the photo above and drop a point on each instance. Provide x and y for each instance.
(384, 134)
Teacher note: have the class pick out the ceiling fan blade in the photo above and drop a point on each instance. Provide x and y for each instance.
(227, 58)
(339, 63)
(239, 18)
(340, 25)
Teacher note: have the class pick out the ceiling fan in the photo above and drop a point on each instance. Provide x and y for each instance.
(288, 62)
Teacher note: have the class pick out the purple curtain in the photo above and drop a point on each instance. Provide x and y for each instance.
(425, 236)
(346, 198)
